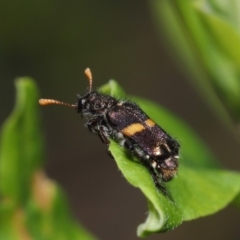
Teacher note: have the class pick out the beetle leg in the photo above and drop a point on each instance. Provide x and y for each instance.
(95, 125)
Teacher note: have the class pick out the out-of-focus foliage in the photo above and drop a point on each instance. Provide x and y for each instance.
(205, 34)
(31, 205)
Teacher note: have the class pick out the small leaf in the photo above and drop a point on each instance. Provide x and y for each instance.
(21, 150)
(199, 47)
(53, 220)
(201, 187)
(223, 32)
(200, 192)
(31, 205)
(163, 214)
(112, 88)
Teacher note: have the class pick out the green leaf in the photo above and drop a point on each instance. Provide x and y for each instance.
(191, 48)
(7, 210)
(21, 150)
(163, 214)
(31, 205)
(53, 221)
(200, 192)
(224, 34)
(201, 187)
(225, 60)
(112, 88)
(204, 37)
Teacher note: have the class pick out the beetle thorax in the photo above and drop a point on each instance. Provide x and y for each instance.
(94, 103)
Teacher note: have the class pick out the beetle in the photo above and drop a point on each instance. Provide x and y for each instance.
(126, 123)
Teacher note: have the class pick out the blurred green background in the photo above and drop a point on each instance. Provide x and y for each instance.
(53, 42)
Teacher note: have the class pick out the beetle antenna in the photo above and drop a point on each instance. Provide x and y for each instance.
(89, 76)
(45, 102)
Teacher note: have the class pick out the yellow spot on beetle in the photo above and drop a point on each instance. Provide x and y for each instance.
(132, 129)
(150, 123)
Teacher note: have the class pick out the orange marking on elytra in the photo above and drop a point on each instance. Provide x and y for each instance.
(132, 129)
